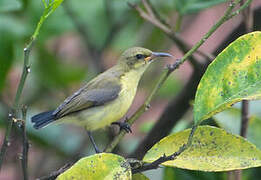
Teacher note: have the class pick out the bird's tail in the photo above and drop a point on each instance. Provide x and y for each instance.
(42, 119)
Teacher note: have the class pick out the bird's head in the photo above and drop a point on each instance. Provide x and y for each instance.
(139, 58)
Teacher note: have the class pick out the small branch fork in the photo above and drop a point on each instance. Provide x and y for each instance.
(15, 109)
(155, 164)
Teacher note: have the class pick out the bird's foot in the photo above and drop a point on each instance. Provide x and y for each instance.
(93, 143)
(123, 125)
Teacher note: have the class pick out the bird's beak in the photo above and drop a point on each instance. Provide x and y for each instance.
(157, 54)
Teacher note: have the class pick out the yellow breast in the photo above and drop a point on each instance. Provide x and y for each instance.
(101, 116)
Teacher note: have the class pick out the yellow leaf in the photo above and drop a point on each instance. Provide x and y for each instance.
(232, 77)
(98, 167)
(212, 149)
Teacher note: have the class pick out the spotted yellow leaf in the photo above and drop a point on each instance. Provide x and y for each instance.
(234, 75)
(212, 149)
(98, 167)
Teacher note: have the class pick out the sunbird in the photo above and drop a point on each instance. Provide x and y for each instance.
(106, 98)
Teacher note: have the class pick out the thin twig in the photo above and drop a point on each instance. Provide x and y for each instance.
(6, 141)
(243, 131)
(244, 118)
(24, 159)
(155, 164)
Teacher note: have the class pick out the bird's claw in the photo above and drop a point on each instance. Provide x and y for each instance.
(123, 125)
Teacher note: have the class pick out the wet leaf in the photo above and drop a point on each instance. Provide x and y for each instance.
(99, 166)
(212, 149)
(232, 77)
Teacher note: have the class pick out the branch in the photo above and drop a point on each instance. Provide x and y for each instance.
(6, 141)
(26, 70)
(155, 164)
(24, 159)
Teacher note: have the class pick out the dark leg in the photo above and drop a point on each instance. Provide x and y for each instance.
(93, 143)
(123, 125)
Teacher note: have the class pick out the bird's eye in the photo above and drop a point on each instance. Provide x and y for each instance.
(139, 56)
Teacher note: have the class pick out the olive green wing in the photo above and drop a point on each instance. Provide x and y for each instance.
(93, 94)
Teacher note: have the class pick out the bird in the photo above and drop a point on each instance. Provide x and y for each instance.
(106, 98)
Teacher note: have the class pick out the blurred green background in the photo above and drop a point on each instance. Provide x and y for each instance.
(81, 39)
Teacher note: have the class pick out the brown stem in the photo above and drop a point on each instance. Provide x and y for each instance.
(248, 23)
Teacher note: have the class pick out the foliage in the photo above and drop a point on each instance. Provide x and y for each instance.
(111, 27)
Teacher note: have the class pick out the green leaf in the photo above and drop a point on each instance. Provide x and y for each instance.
(232, 77)
(99, 166)
(51, 6)
(10, 5)
(139, 176)
(194, 6)
(212, 149)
